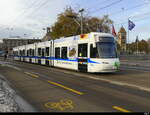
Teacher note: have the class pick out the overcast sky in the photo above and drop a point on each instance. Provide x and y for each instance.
(29, 17)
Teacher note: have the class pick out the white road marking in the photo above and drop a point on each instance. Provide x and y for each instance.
(122, 84)
(111, 81)
(11, 66)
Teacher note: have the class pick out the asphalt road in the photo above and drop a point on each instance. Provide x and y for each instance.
(139, 65)
(58, 90)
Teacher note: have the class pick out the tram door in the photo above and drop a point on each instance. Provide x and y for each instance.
(39, 55)
(83, 57)
(20, 55)
(51, 54)
(47, 56)
(23, 55)
(30, 54)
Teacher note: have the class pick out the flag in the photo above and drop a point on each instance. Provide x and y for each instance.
(113, 31)
(131, 25)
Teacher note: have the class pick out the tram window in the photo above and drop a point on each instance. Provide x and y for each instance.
(64, 53)
(16, 53)
(23, 53)
(57, 53)
(39, 51)
(27, 52)
(47, 51)
(20, 52)
(93, 52)
(32, 52)
(82, 50)
(43, 52)
(13, 53)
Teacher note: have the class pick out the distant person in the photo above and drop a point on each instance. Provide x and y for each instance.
(5, 56)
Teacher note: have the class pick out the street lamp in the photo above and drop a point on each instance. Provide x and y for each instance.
(9, 29)
(24, 35)
(44, 31)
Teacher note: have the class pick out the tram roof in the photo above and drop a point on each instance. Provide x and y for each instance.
(78, 37)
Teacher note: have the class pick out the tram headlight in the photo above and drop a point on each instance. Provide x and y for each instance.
(105, 62)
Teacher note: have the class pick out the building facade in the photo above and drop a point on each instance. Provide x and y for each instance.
(47, 37)
(122, 39)
(9, 43)
(1, 44)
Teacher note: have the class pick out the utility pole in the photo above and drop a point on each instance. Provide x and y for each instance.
(76, 20)
(11, 29)
(81, 11)
(137, 43)
(128, 38)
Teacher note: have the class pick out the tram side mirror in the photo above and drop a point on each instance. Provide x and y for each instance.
(94, 45)
(95, 40)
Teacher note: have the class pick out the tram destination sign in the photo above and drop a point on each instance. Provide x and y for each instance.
(106, 39)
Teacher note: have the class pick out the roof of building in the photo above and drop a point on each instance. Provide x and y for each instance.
(1, 41)
(21, 39)
(122, 30)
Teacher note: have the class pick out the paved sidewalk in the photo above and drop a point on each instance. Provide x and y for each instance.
(143, 63)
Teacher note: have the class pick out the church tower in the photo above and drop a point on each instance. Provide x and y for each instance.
(122, 38)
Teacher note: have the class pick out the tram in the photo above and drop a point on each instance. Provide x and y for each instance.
(93, 52)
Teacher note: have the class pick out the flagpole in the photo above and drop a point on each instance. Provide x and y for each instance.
(131, 25)
(128, 37)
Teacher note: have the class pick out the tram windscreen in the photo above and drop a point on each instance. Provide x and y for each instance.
(107, 49)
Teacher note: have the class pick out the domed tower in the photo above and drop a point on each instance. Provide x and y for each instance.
(122, 38)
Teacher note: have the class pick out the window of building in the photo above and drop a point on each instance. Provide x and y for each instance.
(47, 51)
(64, 53)
(57, 53)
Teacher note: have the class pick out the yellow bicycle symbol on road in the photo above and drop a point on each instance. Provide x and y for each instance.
(62, 105)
